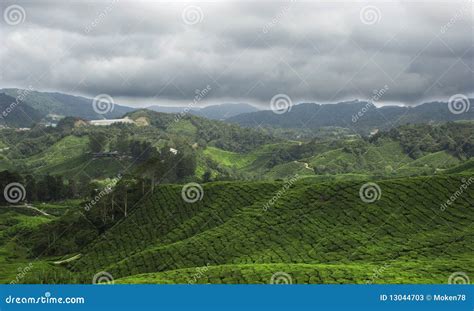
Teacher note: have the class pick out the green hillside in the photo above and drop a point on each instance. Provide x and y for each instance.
(228, 158)
(113, 202)
(385, 157)
(464, 168)
(16, 113)
(60, 104)
(316, 232)
(63, 150)
(13, 257)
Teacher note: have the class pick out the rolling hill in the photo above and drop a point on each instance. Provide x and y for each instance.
(228, 152)
(269, 206)
(17, 114)
(60, 104)
(314, 232)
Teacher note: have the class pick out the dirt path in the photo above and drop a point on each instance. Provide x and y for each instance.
(33, 208)
(59, 262)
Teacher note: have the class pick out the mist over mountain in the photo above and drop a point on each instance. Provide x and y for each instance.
(215, 112)
(362, 116)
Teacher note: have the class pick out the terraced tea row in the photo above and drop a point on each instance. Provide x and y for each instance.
(312, 224)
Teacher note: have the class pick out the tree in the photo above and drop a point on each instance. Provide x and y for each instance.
(206, 177)
(97, 142)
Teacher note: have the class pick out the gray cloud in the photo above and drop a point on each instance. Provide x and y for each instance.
(146, 53)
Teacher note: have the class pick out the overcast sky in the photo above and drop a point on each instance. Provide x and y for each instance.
(144, 53)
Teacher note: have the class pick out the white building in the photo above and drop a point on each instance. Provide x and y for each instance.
(105, 122)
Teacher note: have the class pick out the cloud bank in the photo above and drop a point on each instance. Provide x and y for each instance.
(145, 53)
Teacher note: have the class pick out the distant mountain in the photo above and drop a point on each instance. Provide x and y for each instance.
(214, 112)
(166, 109)
(225, 111)
(358, 115)
(16, 113)
(64, 104)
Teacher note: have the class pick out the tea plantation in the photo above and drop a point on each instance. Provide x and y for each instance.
(245, 232)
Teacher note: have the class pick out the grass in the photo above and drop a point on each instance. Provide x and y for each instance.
(389, 272)
(253, 164)
(228, 158)
(386, 157)
(437, 160)
(58, 208)
(14, 261)
(84, 164)
(62, 151)
(317, 232)
(463, 168)
(288, 170)
(68, 157)
(183, 128)
(5, 163)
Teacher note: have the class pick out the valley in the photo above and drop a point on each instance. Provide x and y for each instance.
(178, 198)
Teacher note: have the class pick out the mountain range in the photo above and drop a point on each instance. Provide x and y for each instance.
(214, 112)
(356, 115)
(40, 105)
(359, 116)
